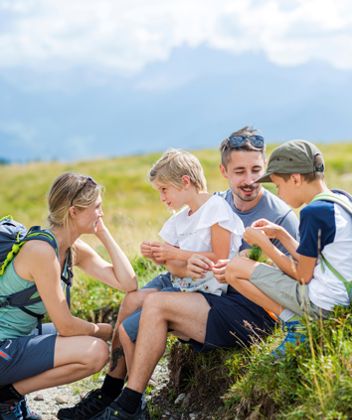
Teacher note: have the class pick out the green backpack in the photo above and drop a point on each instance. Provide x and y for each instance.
(334, 197)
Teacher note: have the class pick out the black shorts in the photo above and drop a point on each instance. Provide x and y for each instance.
(233, 321)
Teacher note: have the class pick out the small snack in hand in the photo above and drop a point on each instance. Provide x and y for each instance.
(255, 253)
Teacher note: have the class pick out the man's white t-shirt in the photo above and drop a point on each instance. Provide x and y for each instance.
(192, 232)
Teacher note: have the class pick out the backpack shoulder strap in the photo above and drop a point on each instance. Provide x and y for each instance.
(333, 196)
(36, 233)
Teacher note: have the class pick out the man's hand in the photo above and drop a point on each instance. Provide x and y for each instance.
(198, 266)
(270, 229)
(219, 270)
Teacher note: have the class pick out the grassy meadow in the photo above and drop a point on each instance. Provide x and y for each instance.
(313, 382)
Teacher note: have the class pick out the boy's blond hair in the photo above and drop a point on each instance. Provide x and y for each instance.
(173, 165)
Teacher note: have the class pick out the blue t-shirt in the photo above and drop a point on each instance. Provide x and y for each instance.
(269, 207)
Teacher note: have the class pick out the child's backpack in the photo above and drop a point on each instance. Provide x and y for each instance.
(335, 197)
(13, 235)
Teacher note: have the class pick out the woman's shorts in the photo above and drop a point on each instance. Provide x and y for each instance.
(24, 357)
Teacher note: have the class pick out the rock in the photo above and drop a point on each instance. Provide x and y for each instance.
(180, 398)
(60, 400)
(39, 397)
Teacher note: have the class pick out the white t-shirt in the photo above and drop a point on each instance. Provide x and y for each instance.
(327, 227)
(193, 233)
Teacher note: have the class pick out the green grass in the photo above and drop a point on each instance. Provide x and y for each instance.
(313, 382)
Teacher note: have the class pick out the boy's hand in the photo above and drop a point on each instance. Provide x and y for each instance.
(270, 229)
(163, 251)
(198, 265)
(219, 270)
(146, 249)
(255, 236)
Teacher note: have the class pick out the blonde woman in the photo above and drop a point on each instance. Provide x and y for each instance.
(32, 362)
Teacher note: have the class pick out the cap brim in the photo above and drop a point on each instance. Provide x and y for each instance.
(265, 178)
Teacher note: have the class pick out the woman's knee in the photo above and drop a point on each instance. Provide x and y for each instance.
(97, 355)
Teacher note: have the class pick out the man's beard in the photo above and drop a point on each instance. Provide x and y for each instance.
(242, 192)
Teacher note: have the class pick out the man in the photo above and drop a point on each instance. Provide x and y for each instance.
(207, 321)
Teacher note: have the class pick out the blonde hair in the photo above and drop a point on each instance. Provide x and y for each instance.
(176, 163)
(70, 189)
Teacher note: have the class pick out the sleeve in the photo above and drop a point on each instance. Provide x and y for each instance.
(219, 212)
(168, 232)
(317, 228)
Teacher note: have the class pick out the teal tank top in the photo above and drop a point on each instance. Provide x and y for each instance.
(13, 321)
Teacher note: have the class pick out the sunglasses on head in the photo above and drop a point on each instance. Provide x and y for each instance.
(88, 180)
(238, 141)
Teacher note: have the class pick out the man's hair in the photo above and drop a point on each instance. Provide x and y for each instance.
(311, 176)
(226, 147)
(176, 163)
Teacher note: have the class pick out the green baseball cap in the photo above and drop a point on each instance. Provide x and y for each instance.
(293, 157)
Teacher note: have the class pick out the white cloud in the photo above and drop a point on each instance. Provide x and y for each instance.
(123, 36)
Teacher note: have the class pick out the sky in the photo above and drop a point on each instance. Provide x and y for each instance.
(81, 79)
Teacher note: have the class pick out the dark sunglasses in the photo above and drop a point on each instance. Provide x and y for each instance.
(88, 180)
(238, 141)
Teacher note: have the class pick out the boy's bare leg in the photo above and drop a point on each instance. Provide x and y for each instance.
(132, 302)
(238, 272)
(186, 313)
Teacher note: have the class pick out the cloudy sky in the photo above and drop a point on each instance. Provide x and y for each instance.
(87, 78)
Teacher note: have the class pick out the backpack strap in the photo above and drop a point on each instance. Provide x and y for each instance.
(23, 298)
(333, 196)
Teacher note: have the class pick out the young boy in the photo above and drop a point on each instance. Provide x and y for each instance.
(303, 282)
(205, 225)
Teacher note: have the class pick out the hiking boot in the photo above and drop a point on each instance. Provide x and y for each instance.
(11, 411)
(91, 404)
(294, 338)
(27, 413)
(115, 412)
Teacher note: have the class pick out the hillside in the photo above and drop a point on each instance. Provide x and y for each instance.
(314, 381)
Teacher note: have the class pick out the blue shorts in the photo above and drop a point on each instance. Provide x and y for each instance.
(163, 283)
(25, 357)
(233, 321)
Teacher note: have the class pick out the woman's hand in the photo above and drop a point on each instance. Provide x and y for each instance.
(270, 229)
(219, 270)
(198, 266)
(100, 227)
(103, 331)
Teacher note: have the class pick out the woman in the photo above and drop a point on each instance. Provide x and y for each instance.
(32, 362)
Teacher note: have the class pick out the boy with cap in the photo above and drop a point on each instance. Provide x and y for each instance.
(307, 281)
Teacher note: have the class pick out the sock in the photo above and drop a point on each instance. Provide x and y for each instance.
(112, 387)
(129, 400)
(9, 393)
(287, 315)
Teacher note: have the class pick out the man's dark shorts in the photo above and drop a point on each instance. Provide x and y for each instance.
(25, 357)
(233, 321)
